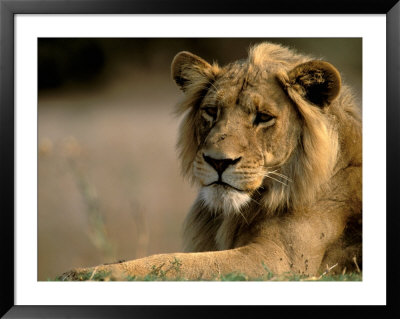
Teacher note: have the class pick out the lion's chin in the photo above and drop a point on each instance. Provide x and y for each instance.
(223, 199)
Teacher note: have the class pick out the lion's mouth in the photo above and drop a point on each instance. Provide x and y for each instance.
(225, 185)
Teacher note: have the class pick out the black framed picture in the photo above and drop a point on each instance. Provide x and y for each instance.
(89, 145)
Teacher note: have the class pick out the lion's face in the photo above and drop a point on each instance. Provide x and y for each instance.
(245, 135)
(245, 123)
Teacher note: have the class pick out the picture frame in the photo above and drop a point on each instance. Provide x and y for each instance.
(8, 10)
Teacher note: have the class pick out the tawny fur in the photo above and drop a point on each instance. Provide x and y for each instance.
(292, 197)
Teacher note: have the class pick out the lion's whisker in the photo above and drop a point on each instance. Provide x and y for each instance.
(241, 214)
(276, 180)
(281, 175)
(254, 201)
(273, 166)
(277, 174)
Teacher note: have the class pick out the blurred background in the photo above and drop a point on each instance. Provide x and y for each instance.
(109, 185)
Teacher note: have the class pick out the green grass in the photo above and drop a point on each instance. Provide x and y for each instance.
(106, 276)
(85, 276)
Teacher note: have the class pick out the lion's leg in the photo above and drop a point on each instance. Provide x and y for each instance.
(249, 260)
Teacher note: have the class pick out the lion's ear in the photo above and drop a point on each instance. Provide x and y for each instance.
(316, 81)
(187, 68)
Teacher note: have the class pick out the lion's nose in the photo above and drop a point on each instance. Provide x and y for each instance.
(220, 165)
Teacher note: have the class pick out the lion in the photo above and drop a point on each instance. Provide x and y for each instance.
(274, 144)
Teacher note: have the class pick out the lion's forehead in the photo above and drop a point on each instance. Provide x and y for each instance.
(246, 88)
(236, 75)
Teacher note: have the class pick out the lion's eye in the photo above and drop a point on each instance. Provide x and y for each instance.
(262, 118)
(211, 111)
